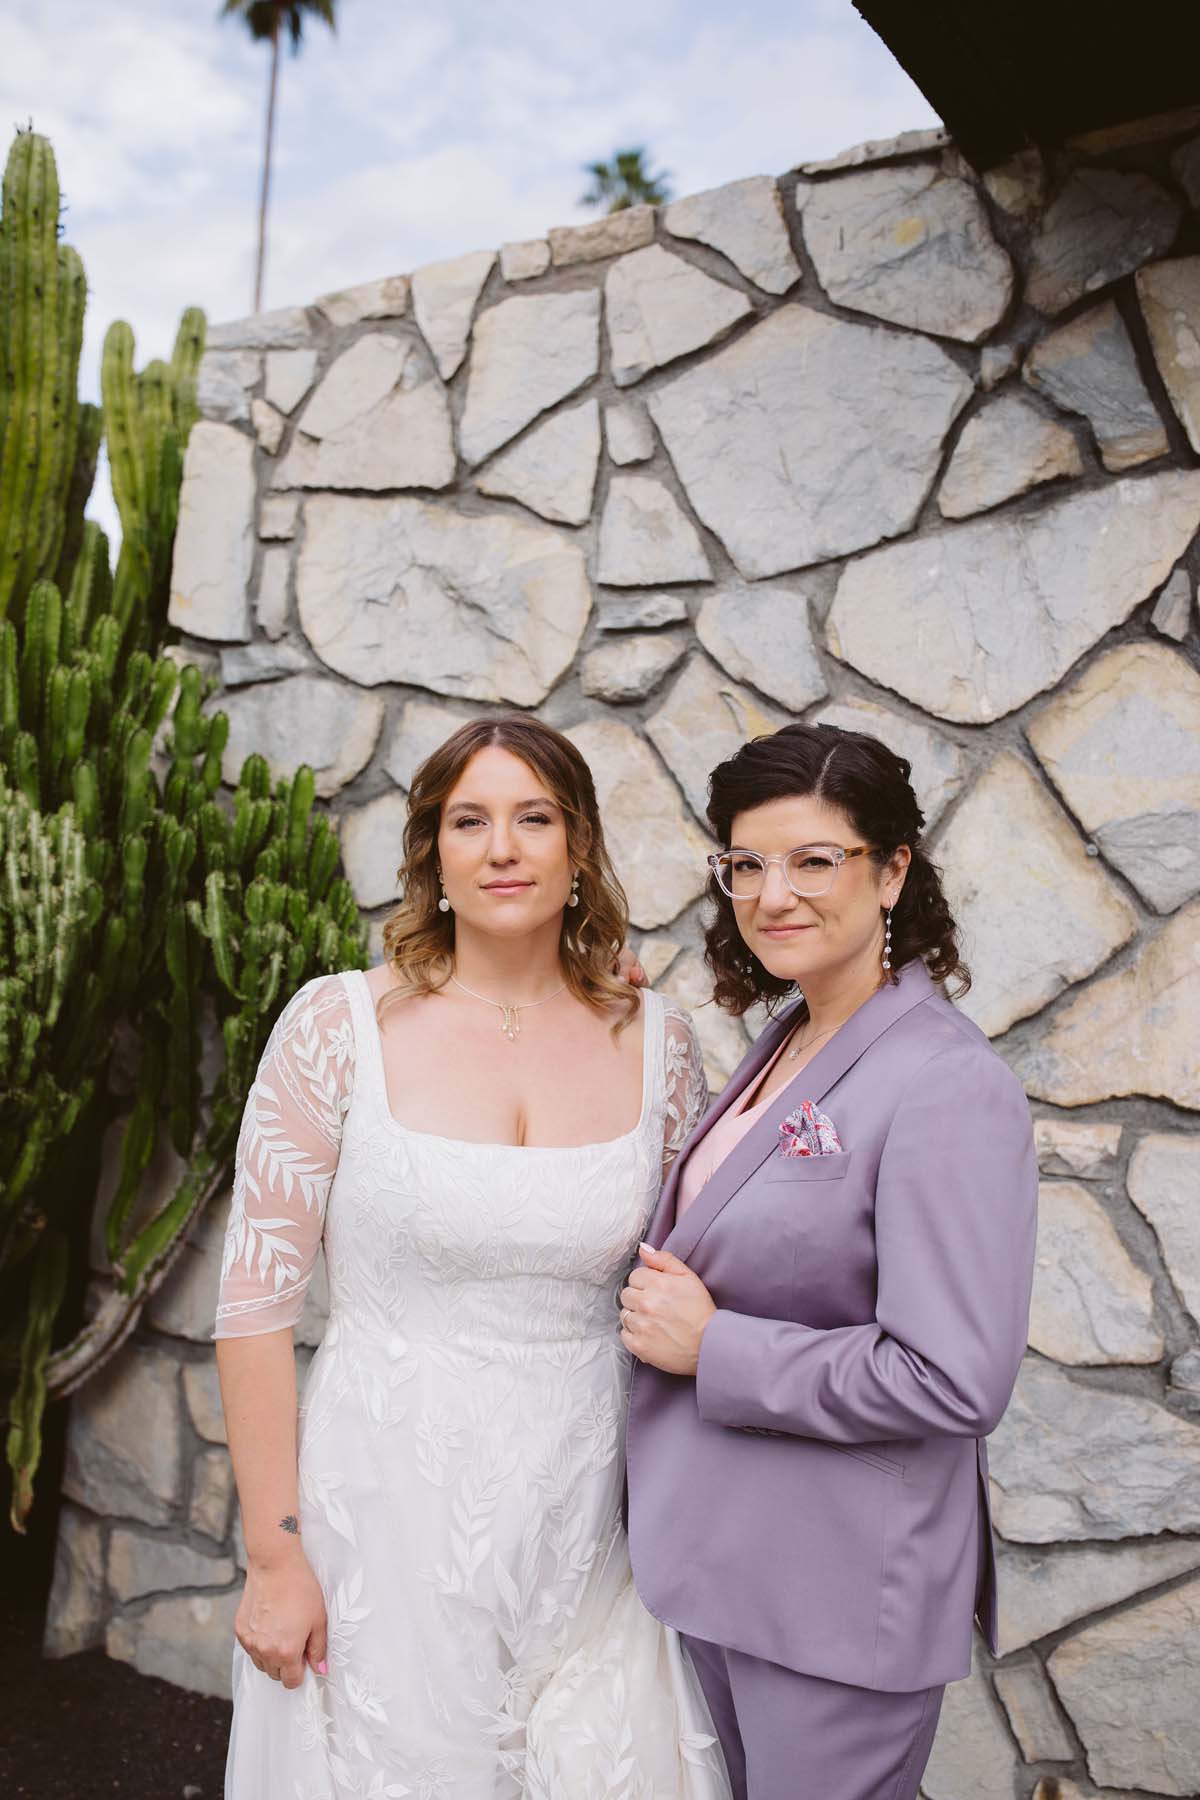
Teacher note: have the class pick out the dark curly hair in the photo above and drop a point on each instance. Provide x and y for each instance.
(870, 784)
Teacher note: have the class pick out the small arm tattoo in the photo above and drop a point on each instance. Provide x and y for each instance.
(291, 1523)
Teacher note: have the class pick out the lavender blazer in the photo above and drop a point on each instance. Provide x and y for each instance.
(817, 1495)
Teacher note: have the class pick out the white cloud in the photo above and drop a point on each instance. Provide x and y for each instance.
(410, 136)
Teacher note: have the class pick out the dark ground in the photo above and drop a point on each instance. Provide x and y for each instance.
(88, 1728)
(85, 1727)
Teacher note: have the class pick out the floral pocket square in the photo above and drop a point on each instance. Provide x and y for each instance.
(807, 1132)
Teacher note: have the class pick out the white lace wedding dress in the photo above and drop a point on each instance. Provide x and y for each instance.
(461, 1438)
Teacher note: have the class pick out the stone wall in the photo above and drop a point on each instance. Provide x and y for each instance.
(878, 443)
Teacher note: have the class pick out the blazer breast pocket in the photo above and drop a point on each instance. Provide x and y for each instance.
(808, 1168)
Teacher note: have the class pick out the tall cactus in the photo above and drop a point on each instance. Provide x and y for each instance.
(42, 296)
(132, 900)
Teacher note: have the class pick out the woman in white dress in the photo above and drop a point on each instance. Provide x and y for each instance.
(438, 1601)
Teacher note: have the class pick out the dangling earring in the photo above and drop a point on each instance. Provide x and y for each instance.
(887, 943)
(443, 903)
(573, 896)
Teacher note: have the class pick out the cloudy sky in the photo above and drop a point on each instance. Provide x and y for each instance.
(418, 132)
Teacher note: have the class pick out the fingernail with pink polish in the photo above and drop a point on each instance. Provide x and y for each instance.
(322, 1668)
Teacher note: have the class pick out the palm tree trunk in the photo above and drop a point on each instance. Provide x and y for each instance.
(266, 177)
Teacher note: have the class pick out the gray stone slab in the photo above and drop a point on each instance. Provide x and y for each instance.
(214, 541)
(286, 329)
(223, 384)
(1172, 615)
(1082, 1147)
(1170, 297)
(646, 538)
(703, 719)
(302, 719)
(385, 298)
(657, 850)
(422, 728)
(1037, 919)
(1029, 1702)
(1104, 224)
(1043, 1590)
(879, 150)
(379, 419)
(123, 1443)
(77, 1606)
(613, 235)
(970, 623)
(525, 260)
(1122, 745)
(552, 470)
(186, 1639)
(372, 839)
(1073, 1462)
(529, 352)
(394, 590)
(1131, 1032)
(140, 1565)
(1009, 447)
(444, 296)
(289, 377)
(763, 634)
(1089, 366)
(629, 668)
(782, 446)
(1164, 1185)
(910, 245)
(1091, 1303)
(1130, 1685)
(744, 221)
(633, 611)
(659, 307)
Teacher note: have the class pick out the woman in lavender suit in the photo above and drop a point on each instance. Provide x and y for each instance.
(832, 1304)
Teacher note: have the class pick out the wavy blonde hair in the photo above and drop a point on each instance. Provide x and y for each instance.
(418, 940)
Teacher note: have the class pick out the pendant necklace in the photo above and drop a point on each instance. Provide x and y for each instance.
(510, 1020)
(793, 1054)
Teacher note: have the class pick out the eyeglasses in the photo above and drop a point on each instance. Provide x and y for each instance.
(809, 870)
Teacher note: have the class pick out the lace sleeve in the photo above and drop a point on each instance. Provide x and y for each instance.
(687, 1088)
(286, 1159)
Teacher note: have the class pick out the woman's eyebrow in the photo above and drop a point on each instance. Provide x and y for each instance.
(477, 806)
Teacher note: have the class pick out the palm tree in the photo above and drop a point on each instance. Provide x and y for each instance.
(625, 181)
(267, 20)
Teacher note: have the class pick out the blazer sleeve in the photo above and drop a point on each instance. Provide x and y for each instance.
(955, 1233)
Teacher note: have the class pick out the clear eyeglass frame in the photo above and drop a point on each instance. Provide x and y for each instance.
(820, 881)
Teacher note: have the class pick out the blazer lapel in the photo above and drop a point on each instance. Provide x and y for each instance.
(759, 1053)
(813, 1082)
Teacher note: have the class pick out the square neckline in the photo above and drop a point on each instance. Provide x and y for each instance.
(362, 1003)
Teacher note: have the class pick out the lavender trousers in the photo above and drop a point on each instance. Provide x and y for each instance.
(788, 1736)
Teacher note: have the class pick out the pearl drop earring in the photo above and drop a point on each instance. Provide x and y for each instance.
(443, 903)
(573, 896)
(887, 943)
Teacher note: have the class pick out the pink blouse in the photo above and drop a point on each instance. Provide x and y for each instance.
(719, 1140)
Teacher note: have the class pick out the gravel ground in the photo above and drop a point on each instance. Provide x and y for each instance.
(87, 1728)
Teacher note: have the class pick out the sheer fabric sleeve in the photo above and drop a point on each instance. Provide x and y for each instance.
(287, 1156)
(687, 1087)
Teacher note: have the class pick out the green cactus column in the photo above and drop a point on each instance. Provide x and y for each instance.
(42, 295)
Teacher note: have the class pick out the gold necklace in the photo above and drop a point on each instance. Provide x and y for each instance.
(793, 1054)
(510, 1020)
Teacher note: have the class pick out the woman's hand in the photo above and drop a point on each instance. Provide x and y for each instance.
(664, 1310)
(280, 1623)
(629, 968)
